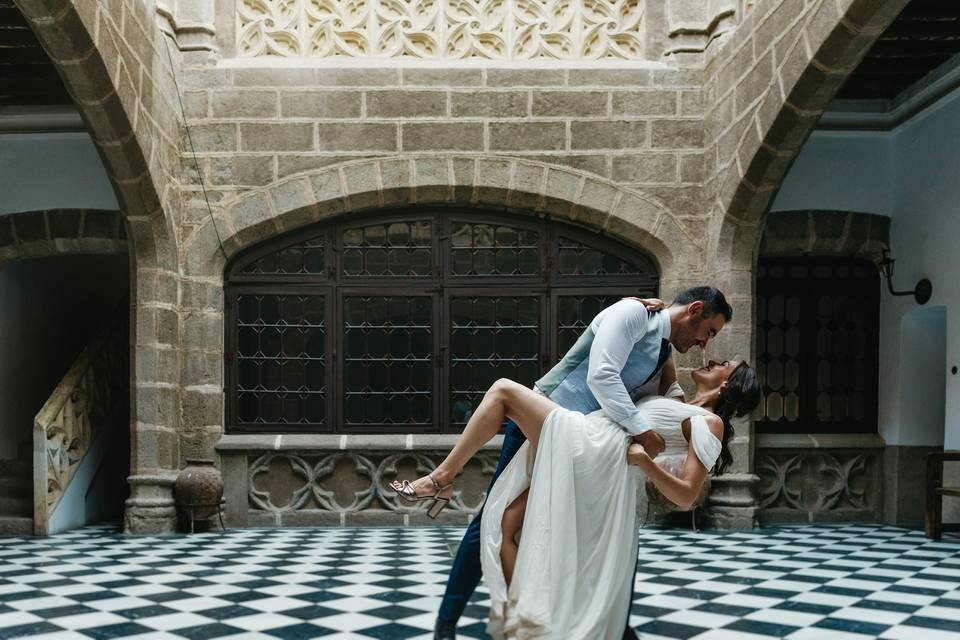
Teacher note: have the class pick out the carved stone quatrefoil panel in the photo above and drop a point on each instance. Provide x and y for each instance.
(818, 481)
(348, 482)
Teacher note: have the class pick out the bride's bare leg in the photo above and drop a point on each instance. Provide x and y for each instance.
(511, 523)
(503, 399)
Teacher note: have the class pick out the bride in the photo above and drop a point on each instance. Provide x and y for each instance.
(573, 488)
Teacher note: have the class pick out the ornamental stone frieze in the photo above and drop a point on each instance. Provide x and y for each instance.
(346, 482)
(324, 480)
(479, 29)
(807, 478)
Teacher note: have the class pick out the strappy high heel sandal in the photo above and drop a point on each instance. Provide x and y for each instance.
(405, 490)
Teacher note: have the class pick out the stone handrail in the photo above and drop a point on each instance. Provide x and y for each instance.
(82, 403)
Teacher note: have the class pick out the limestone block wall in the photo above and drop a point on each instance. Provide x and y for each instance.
(675, 151)
(675, 157)
(639, 127)
(615, 150)
(763, 91)
(524, 186)
(116, 65)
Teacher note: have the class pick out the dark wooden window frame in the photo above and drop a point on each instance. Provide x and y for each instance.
(809, 290)
(441, 286)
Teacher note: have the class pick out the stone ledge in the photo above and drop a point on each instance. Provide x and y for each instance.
(343, 442)
(368, 518)
(820, 441)
(781, 516)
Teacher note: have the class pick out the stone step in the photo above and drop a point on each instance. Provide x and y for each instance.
(16, 479)
(16, 526)
(16, 467)
(16, 487)
(16, 506)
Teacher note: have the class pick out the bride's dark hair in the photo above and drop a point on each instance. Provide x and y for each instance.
(741, 397)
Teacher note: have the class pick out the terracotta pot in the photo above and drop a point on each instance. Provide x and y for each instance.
(199, 488)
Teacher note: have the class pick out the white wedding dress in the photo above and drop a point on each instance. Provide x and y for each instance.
(578, 546)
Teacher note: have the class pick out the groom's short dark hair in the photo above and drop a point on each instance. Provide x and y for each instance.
(712, 298)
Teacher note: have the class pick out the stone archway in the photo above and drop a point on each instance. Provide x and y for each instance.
(808, 54)
(56, 232)
(825, 233)
(518, 185)
(120, 79)
(765, 89)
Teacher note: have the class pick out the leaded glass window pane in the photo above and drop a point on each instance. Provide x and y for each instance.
(388, 360)
(578, 259)
(493, 250)
(281, 359)
(378, 370)
(389, 249)
(491, 337)
(303, 258)
(574, 314)
(817, 345)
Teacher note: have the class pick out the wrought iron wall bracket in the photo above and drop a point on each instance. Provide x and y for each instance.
(923, 290)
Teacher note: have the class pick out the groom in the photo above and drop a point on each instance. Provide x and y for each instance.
(609, 367)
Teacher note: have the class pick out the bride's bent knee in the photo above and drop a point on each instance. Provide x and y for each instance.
(503, 389)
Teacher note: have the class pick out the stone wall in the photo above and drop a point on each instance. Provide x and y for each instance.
(825, 233)
(834, 477)
(283, 147)
(674, 154)
(116, 66)
(764, 89)
(638, 127)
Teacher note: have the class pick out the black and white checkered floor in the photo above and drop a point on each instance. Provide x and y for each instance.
(815, 582)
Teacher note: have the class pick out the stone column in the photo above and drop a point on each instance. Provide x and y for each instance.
(733, 498)
(154, 396)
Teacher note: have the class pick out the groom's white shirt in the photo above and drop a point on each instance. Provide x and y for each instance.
(617, 330)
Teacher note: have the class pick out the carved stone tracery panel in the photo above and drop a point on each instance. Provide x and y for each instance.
(350, 482)
(816, 483)
(442, 29)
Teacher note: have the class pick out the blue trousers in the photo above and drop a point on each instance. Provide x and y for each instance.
(465, 573)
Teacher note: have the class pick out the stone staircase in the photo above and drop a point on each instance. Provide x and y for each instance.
(16, 497)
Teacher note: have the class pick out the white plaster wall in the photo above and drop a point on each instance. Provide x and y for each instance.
(49, 310)
(911, 174)
(926, 226)
(50, 171)
(850, 170)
